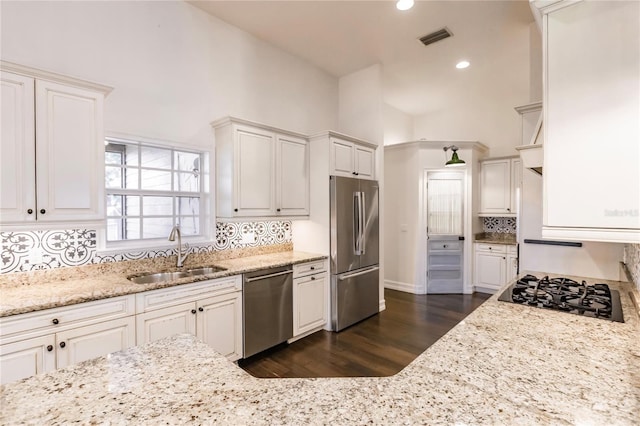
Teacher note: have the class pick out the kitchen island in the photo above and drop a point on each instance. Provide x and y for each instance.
(504, 364)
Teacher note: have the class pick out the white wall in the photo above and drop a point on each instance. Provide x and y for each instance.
(174, 67)
(480, 100)
(360, 104)
(398, 126)
(535, 63)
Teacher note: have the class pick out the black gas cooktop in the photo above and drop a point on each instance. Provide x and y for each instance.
(566, 295)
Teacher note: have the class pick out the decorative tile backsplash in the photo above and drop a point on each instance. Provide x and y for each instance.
(36, 250)
(632, 260)
(501, 225)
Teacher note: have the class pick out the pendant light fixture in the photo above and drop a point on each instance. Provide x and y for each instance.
(404, 4)
(455, 161)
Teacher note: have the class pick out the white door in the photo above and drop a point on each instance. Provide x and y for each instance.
(219, 324)
(27, 358)
(255, 172)
(444, 211)
(17, 149)
(309, 303)
(342, 158)
(292, 176)
(69, 153)
(155, 325)
(83, 343)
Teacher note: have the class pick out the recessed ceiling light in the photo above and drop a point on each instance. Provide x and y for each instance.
(404, 4)
(462, 64)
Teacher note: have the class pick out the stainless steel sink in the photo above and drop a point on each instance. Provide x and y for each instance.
(159, 277)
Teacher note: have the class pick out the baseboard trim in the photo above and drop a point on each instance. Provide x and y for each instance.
(382, 306)
(400, 286)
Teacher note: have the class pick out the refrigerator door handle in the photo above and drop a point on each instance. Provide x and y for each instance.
(363, 243)
(357, 220)
(356, 274)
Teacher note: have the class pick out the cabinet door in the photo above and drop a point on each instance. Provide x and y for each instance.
(254, 183)
(365, 162)
(17, 149)
(27, 358)
(490, 270)
(495, 187)
(342, 158)
(516, 185)
(155, 325)
(292, 168)
(83, 343)
(592, 117)
(219, 324)
(309, 303)
(69, 153)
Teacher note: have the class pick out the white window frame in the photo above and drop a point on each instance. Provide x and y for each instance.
(106, 247)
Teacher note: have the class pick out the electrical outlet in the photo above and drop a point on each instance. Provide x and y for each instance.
(35, 256)
(248, 238)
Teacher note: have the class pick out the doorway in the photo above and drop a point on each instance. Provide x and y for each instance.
(445, 241)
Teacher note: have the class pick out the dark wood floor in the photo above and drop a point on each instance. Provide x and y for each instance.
(379, 346)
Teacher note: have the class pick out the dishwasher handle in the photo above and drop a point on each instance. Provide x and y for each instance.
(262, 277)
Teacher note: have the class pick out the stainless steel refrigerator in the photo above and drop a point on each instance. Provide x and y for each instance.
(354, 251)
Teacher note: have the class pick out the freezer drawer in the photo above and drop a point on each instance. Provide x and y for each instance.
(354, 297)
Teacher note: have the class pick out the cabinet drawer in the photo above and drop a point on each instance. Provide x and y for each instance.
(157, 299)
(445, 245)
(309, 268)
(57, 319)
(511, 249)
(492, 248)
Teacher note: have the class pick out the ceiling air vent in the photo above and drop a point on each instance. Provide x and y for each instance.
(435, 36)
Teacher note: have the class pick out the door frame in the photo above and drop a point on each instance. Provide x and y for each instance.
(467, 227)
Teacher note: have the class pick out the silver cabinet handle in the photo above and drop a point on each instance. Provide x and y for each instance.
(356, 274)
(262, 277)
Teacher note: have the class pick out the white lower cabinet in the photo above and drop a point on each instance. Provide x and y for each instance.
(27, 358)
(310, 297)
(219, 324)
(495, 265)
(211, 310)
(42, 341)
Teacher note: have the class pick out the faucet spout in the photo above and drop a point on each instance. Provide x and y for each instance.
(175, 231)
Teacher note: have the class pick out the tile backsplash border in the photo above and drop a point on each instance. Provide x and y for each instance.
(499, 225)
(78, 247)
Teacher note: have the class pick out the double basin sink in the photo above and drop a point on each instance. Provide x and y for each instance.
(159, 277)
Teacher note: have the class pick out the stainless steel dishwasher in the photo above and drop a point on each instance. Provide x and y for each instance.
(267, 299)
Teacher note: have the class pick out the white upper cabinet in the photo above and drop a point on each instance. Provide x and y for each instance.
(17, 149)
(499, 183)
(261, 171)
(351, 159)
(592, 121)
(292, 180)
(52, 149)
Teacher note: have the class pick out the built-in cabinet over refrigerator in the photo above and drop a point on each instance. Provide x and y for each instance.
(354, 251)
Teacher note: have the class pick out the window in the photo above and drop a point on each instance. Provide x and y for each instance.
(150, 189)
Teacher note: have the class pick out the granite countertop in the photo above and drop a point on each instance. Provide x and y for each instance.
(29, 292)
(504, 364)
(495, 238)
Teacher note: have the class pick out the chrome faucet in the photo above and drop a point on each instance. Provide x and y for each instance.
(172, 237)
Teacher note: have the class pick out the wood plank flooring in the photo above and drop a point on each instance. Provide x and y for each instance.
(379, 346)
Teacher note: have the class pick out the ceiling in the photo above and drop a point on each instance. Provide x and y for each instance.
(341, 37)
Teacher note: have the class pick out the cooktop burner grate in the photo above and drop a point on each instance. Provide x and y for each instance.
(566, 295)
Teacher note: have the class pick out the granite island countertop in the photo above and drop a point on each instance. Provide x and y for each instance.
(29, 292)
(503, 364)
